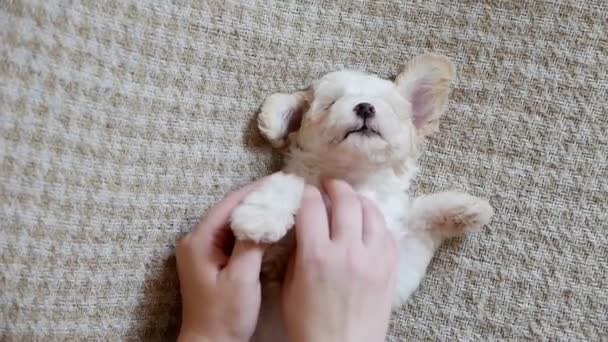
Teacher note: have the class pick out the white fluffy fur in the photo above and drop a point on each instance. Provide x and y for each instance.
(268, 213)
(311, 125)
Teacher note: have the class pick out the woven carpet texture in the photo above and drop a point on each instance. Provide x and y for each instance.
(123, 121)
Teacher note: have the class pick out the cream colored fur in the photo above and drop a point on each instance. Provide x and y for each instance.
(312, 125)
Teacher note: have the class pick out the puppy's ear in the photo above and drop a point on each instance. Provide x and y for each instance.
(281, 114)
(425, 83)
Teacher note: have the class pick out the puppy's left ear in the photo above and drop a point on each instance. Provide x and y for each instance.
(281, 114)
(425, 83)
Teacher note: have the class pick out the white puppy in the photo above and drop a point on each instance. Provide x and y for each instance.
(366, 131)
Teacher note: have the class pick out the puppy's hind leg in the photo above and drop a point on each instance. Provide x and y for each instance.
(450, 214)
(435, 218)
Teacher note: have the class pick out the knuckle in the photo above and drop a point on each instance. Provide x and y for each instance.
(356, 265)
(377, 271)
(237, 279)
(314, 258)
(355, 269)
(379, 274)
(381, 277)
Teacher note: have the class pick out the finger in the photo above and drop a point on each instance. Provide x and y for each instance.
(218, 215)
(246, 261)
(312, 227)
(374, 223)
(346, 217)
(222, 244)
(192, 263)
(212, 238)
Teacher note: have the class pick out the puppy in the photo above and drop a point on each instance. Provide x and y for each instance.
(367, 131)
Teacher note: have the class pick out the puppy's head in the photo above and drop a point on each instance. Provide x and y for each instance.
(357, 120)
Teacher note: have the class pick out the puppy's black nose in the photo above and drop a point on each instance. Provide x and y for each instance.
(365, 110)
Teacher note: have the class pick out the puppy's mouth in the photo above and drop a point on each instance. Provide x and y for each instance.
(364, 130)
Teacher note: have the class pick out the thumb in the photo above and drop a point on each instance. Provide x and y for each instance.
(246, 260)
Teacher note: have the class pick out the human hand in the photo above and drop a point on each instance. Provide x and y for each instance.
(341, 280)
(219, 279)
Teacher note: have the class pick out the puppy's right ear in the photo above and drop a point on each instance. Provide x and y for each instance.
(281, 115)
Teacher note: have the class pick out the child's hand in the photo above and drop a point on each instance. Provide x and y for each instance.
(219, 284)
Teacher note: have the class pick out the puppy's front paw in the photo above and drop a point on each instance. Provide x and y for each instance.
(260, 222)
(266, 214)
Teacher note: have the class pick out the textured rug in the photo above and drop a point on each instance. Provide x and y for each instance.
(122, 121)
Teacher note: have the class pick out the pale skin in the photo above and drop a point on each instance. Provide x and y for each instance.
(345, 260)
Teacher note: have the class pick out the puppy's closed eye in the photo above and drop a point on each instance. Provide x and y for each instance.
(330, 104)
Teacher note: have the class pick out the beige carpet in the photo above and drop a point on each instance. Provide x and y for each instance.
(122, 121)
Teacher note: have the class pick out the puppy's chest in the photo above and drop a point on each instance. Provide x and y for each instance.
(395, 206)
